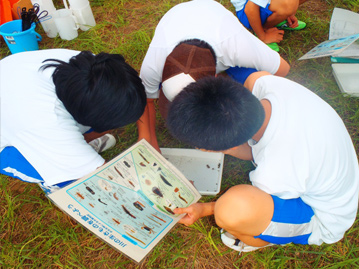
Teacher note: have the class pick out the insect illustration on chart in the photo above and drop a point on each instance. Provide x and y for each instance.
(127, 164)
(138, 205)
(147, 228)
(135, 238)
(128, 212)
(79, 195)
(169, 210)
(157, 192)
(165, 180)
(179, 196)
(143, 157)
(90, 190)
(116, 221)
(101, 201)
(118, 172)
(158, 218)
(154, 220)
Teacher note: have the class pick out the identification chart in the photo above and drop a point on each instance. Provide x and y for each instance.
(129, 201)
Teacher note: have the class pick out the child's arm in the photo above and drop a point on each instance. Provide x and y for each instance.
(267, 36)
(147, 125)
(195, 212)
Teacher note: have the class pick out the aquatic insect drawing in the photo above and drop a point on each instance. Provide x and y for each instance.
(208, 166)
(116, 221)
(176, 189)
(115, 196)
(128, 212)
(165, 180)
(148, 229)
(158, 218)
(101, 201)
(90, 190)
(143, 157)
(154, 220)
(110, 178)
(169, 210)
(133, 185)
(157, 191)
(126, 163)
(154, 164)
(135, 238)
(92, 205)
(179, 196)
(148, 182)
(142, 164)
(80, 195)
(138, 206)
(118, 172)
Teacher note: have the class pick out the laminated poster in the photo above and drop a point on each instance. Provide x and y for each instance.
(129, 201)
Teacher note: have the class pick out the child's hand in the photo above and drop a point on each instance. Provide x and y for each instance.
(194, 212)
(292, 21)
(273, 35)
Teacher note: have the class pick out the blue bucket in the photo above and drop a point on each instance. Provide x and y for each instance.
(18, 40)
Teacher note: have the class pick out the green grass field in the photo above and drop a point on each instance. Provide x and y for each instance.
(34, 233)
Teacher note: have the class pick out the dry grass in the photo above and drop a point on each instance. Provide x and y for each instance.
(36, 234)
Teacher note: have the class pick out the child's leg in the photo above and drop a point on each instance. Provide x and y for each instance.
(14, 164)
(257, 218)
(281, 10)
(263, 12)
(245, 211)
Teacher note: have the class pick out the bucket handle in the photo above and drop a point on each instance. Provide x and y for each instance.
(38, 37)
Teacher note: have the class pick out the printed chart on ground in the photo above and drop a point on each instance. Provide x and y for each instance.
(129, 202)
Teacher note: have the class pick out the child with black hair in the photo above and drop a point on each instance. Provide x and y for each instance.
(306, 179)
(192, 40)
(269, 18)
(55, 101)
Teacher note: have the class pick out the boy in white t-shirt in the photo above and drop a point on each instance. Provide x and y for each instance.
(264, 17)
(306, 179)
(195, 39)
(55, 101)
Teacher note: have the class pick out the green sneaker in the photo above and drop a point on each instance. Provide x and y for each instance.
(274, 46)
(284, 26)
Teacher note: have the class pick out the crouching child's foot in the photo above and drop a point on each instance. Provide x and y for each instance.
(236, 244)
(284, 26)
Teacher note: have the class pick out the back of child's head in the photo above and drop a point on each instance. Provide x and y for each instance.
(101, 91)
(215, 114)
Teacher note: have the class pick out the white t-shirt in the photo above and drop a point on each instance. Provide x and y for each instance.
(307, 152)
(209, 21)
(239, 4)
(34, 120)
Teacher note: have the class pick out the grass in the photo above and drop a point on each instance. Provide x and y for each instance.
(35, 234)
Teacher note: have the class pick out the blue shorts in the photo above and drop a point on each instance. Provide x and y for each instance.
(264, 14)
(14, 164)
(240, 74)
(292, 222)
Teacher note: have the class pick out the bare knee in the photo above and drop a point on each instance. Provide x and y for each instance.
(284, 8)
(244, 208)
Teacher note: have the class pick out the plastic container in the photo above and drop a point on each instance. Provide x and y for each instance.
(66, 24)
(48, 23)
(204, 169)
(18, 40)
(84, 16)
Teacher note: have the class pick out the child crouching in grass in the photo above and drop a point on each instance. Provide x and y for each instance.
(306, 178)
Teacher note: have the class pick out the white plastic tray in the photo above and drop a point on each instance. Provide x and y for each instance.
(347, 77)
(203, 168)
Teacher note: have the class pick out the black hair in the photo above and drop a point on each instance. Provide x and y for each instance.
(101, 91)
(201, 44)
(215, 114)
